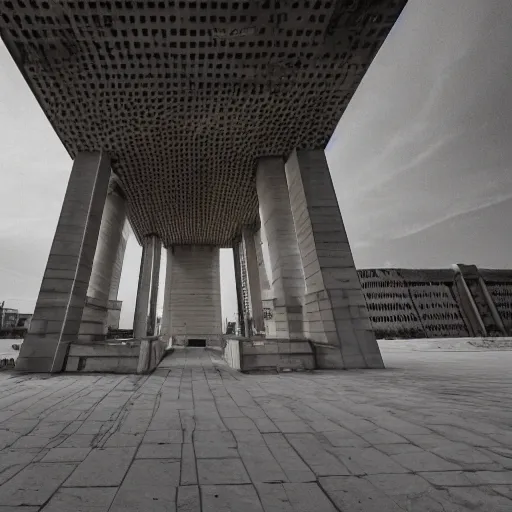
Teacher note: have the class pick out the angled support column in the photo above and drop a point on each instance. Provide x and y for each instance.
(166, 314)
(114, 305)
(287, 280)
(336, 312)
(253, 279)
(140, 320)
(61, 300)
(155, 276)
(106, 265)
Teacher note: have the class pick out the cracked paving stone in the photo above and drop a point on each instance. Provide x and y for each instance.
(159, 451)
(355, 494)
(149, 485)
(222, 471)
(163, 437)
(82, 499)
(362, 461)
(306, 497)
(214, 451)
(188, 499)
(316, 457)
(66, 455)
(34, 484)
(103, 467)
(230, 498)
(424, 461)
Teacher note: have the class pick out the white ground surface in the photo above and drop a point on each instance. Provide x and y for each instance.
(6, 350)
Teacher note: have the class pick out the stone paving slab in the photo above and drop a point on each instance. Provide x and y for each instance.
(432, 433)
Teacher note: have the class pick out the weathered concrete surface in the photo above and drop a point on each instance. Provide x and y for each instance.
(286, 273)
(430, 433)
(255, 78)
(195, 307)
(335, 309)
(106, 267)
(61, 299)
(140, 319)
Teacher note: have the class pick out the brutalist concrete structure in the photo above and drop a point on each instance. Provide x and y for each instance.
(457, 302)
(213, 116)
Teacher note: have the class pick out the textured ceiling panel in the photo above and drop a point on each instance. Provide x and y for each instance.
(186, 95)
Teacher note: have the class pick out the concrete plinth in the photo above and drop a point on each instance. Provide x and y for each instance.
(61, 300)
(287, 280)
(107, 266)
(140, 320)
(195, 308)
(336, 314)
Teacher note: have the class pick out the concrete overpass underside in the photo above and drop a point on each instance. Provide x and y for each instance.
(212, 117)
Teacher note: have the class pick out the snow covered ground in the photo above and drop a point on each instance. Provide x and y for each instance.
(6, 350)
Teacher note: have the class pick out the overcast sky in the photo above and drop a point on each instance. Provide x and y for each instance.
(421, 160)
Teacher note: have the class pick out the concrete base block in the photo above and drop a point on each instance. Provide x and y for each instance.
(138, 356)
(276, 355)
(34, 364)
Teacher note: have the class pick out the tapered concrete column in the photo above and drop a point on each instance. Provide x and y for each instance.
(140, 320)
(195, 295)
(61, 300)
(335, 307)
(253, 279)
(286, 268)
(166, 314)
(94, 324)
(238, 284)
(155, 276)
(114, 305)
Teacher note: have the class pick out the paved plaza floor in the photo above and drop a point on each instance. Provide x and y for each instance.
(430, 433)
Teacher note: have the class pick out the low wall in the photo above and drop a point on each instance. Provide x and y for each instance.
(269, 355)
(116, 356)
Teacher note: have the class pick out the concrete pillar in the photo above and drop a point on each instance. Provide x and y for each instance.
(195, 295)
(140, 320)
(166, 314)
(476, 303)
(94, 323)
(253, 279)
(155, 276)
(336, 314)
(61, 300)
(114, 305)
(238, 284)
(287, 280)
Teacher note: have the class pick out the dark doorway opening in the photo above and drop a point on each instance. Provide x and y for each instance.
(196, 343)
